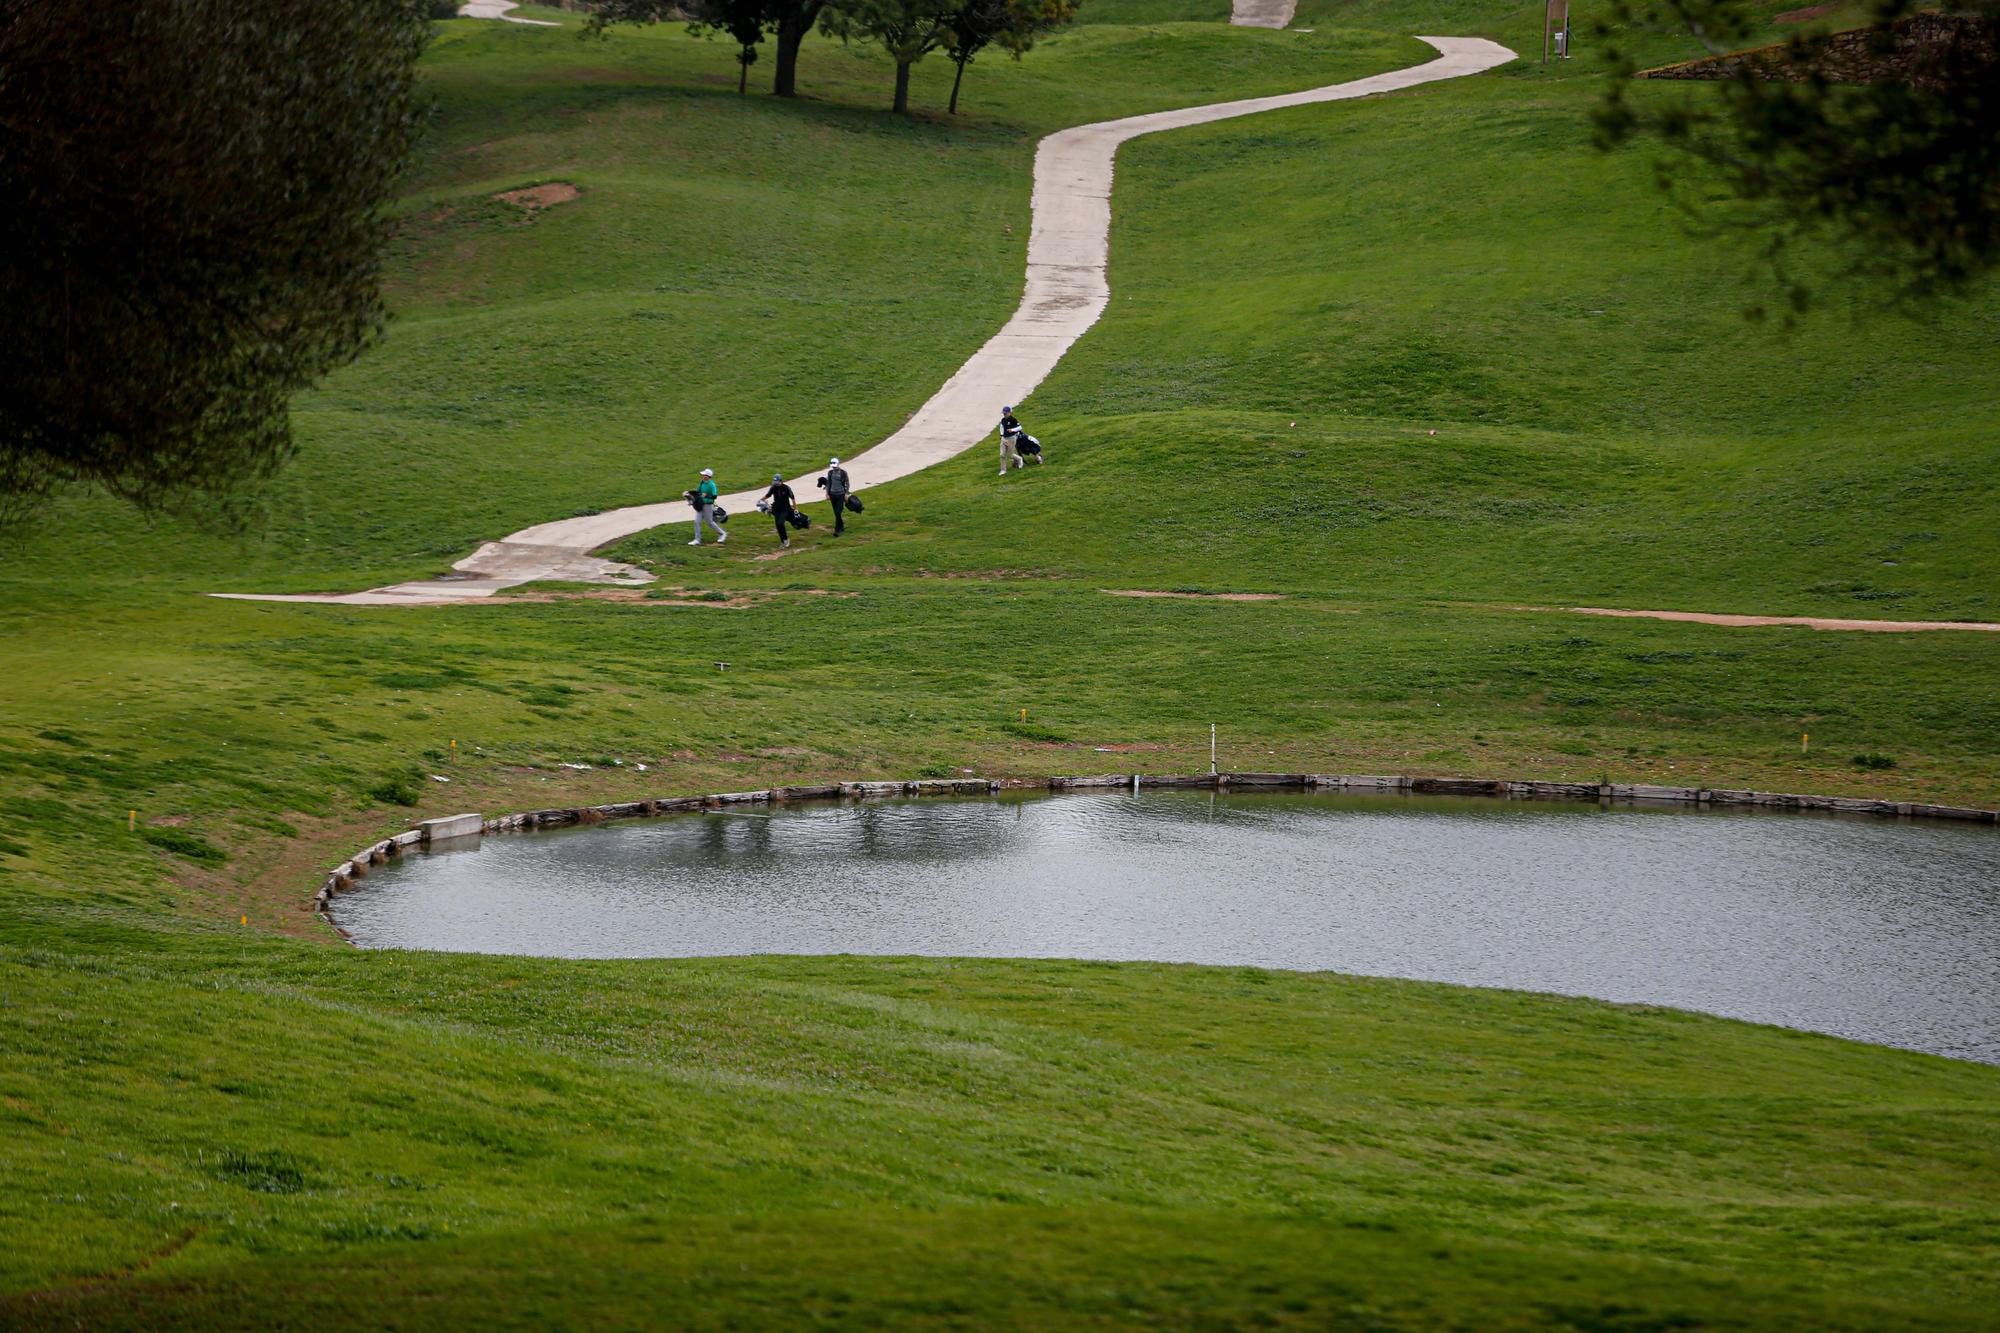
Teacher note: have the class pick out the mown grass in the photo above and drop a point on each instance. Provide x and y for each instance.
(745, 283)
(962, 1113)
(208, 1124)
(1609, 428)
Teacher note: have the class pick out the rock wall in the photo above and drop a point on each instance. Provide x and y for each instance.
(1920, 49)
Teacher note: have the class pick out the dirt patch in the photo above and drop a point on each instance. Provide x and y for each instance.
(659, 596)
(1810, 622)
(981, 574)
(1806, 15)
(1198, 596)
(569, 595)
(535, 198)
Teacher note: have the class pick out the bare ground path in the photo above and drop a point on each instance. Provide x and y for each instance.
(1810, 622)
(1067, 289)
(497, 9)
(1262, 13)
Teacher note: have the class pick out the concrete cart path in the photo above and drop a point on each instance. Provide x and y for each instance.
(1263, 13)
(497, 9)
(1067, 289)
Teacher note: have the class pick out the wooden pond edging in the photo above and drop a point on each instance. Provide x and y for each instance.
(455, 828)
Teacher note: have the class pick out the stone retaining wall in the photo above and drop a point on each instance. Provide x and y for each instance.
(344, 876)
(1923, 49)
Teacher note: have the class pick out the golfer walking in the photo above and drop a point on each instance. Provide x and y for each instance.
(703, 499)
(836, 486)
(783, 507)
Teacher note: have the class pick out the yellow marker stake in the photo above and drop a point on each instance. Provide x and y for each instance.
(1024, 715)
(1805, 742)
(131, 820)
(246, 920)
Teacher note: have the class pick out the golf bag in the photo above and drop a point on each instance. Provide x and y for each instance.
(718, 513)
(798, 519)
(1027, 445)
(853, 503)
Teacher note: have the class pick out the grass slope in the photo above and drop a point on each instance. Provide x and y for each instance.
(978, 1115)
(1609, 429)
(208, 1124)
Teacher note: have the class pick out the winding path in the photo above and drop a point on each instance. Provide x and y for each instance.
(1067, 289)
(497, 9)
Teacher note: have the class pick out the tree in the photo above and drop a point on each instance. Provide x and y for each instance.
(1887, 139)
(746, 21)
(1014, 24)
(907, 29)
(192, 230)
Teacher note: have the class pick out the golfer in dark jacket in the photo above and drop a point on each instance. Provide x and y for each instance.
(783, 507)
(835, 484)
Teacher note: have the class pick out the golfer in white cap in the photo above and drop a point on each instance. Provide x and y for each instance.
(836, 486)
(702, 498)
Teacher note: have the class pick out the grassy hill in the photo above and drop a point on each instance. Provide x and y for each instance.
(214, 1114)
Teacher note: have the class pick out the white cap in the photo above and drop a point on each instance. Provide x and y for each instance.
(834, 463)
(708, 472)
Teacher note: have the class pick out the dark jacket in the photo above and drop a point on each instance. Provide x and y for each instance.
(781, 498)
(836, 481)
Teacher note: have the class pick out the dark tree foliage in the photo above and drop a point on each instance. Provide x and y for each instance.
(746, 22)
(191, 229)
(1887, 146)
(1012, 24)
(745, 26)
(907, 29)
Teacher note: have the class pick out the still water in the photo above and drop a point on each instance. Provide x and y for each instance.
(1866, 928)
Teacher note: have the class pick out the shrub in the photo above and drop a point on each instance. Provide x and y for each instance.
(183, 843)
(1030, 731)
(399, 790)
(1873, 761)
(261, 1173)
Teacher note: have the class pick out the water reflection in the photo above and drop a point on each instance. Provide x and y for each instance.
(1865, 928)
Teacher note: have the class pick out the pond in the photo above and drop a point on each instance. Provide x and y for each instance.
(1875, 929)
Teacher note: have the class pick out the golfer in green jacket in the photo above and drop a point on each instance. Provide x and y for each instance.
(703, 497)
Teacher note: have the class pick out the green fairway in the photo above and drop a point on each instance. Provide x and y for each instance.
(1419, 1153)
(212, 1113)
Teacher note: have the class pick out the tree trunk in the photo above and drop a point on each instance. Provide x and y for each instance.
(902, 86)
(957, 79)
(793, 25)
(790, 34)
(742, 73)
